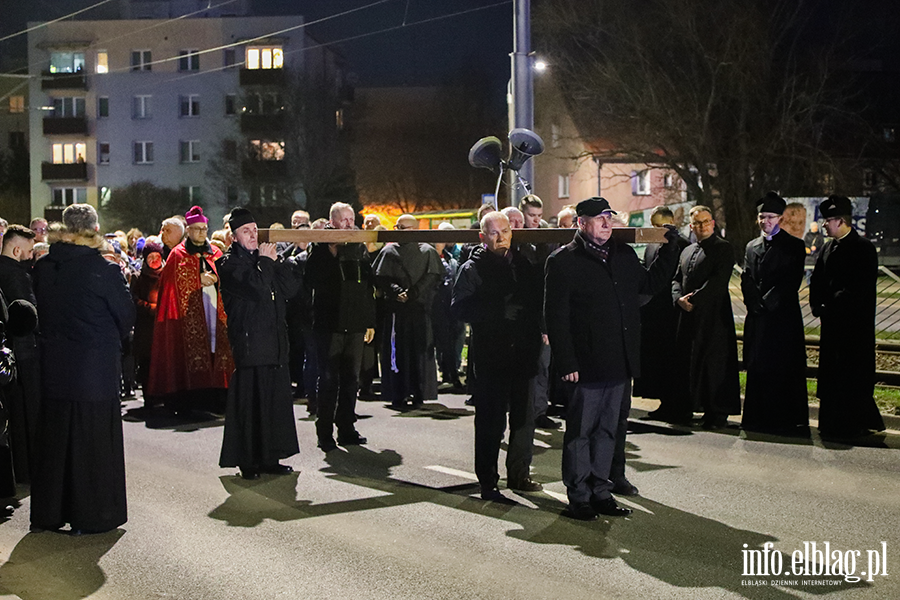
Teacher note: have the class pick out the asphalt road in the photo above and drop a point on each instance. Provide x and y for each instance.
(400, 518)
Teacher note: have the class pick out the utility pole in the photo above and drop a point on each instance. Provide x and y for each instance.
(521, 97)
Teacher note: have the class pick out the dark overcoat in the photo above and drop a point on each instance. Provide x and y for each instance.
(774, 344)
(501, 298)
(592, 310)
(842, 294)
(658, 323)
(706, 339)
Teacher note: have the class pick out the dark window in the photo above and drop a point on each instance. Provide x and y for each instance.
(188, 60)
(230, 104)
(140, 60)
(229, 149)
(103, 106)
(229, 57)
(16, 139)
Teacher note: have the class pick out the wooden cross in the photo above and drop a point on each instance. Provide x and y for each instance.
(629, 235)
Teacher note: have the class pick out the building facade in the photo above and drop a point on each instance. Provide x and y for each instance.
(155, 99)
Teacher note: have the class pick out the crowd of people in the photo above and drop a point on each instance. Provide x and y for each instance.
(220, 322)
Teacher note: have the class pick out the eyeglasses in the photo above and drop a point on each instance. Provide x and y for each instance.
(198, 228)
(701, 223)
(302, 226)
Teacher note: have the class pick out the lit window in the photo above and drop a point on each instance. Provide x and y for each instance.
(141, 60)
(266, 150)
(190, 151)
(17, 104)
(265, 57)
(339, 119)
(66, 62)
(102, 61)
(143, 153)
(189, 60)
(190, 105)
(72, 152)
(103, 153)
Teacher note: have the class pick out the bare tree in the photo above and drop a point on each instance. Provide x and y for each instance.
(733, 95)
(143, 205)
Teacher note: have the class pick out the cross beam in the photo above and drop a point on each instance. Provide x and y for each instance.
(629, 235)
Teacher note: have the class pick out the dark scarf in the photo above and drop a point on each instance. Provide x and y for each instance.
(192, 249)
(598, 251)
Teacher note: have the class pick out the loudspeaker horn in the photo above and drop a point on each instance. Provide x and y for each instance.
(523, 144)
(486, 153)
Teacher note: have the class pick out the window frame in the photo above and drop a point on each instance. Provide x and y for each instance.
(189, 106)
(146, 147)
(189, 59)
(144, 60)
(189, 151)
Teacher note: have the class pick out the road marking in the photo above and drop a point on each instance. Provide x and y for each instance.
(561, 497)
(541, 444)
(449, 471)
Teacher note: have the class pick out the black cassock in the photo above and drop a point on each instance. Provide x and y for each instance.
(706, 340)
(774, 345)
(658, 323)
(259, 417)
(842, 295)
(408, 367)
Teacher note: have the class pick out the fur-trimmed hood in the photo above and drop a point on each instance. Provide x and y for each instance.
(86, 237)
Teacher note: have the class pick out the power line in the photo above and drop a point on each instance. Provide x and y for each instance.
(63, 18)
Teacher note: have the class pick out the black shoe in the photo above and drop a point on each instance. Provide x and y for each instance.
(715, 421)
(249, 473)
(623, 487)
(545, 422)
(327, 444)
(526, 484)
(608, 507)
(582, 511)
(351, 438)
(470, 401)
(277, 469)
(493, 494)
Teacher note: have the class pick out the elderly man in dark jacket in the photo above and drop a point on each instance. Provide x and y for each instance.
(497, 291)
(774, 345)
(259, 417)
(592, 309)
(85, 311)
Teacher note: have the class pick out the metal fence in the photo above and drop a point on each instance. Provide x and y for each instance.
(887, 312)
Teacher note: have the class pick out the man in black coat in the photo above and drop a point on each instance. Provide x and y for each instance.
(340, 276)
(497, 291)
(842, 295)
(658, 322)
(774, 345)
(706, 340)
(259, 414)
(24, 395)
(592, 310)
(85, 312)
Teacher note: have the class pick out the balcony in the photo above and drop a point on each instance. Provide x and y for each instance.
(264, 169)
(65, 126)
(64, 172)
(63, 81)
(262, 124)
(262, 77)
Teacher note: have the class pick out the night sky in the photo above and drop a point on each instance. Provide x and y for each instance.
(385, 52)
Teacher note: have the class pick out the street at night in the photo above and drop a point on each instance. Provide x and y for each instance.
(401, 518)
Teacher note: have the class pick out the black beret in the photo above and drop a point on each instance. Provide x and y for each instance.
(593, 207)
(836, 206)
(771, 203)
(240, 217)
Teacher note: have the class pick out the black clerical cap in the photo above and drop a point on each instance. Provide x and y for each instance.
(836, 206)
(239, 217)
(771, 203)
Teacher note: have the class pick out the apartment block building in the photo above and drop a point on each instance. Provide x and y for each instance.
(154, 98)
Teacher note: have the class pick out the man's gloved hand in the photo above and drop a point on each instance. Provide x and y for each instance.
(671, 233)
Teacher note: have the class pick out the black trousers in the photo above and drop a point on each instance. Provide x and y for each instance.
(592, 426)
(494, 395)
(340, 356)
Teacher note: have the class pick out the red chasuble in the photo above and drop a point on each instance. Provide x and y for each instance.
(182, 357)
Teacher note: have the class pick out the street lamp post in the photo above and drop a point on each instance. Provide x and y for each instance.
(521, 113)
